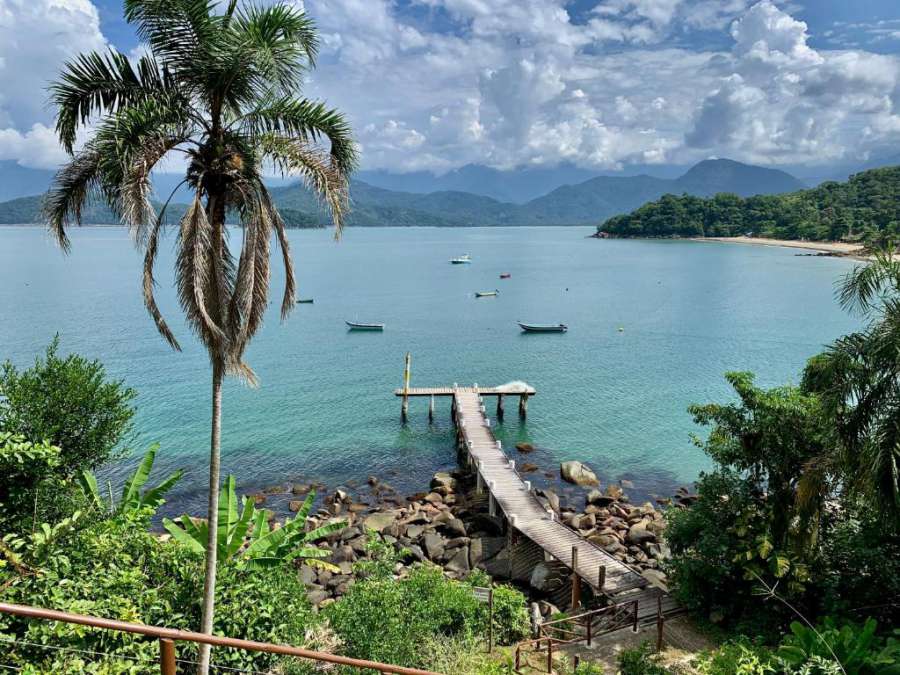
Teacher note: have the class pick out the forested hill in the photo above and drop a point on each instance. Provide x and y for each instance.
(866, 207)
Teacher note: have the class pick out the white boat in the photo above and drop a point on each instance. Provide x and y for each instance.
(462, 260)
(486, 294)
(353, 325)
(543, 328)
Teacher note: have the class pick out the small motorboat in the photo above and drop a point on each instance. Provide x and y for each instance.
(505, 275)
(543, 328)
(353, 325)
(486, 294)
(461, 260)
(305, 301)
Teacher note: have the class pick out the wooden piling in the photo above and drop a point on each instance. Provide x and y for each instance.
(601, 578)
(431, 409)
(499, 407)
(576, 580)
(523, 405)
(404, 410)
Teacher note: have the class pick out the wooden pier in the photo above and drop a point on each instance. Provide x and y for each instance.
(511, 497)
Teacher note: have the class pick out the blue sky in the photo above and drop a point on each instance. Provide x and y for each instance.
(602, 84)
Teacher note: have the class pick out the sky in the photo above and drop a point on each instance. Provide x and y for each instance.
(600, 84)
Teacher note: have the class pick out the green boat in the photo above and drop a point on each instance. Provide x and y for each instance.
(352, 325)
(543, 328)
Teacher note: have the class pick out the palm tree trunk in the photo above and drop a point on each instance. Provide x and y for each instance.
(212, 516)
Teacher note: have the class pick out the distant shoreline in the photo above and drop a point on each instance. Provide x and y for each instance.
(833, 247)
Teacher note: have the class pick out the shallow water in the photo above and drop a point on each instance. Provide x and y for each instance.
(325, 409)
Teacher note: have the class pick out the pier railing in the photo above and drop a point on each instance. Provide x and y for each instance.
(168, 637)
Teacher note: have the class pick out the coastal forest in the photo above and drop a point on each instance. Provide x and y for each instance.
(866, 208)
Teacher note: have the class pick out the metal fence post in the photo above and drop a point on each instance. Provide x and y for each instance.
(166, 656)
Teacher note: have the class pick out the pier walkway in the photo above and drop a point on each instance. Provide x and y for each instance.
(525, 515)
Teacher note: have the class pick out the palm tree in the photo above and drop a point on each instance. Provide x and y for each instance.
(219, 87)
(858, 379)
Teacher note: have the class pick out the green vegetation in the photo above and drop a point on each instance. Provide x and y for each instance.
(221, 85)
(70, 403)
(865, 208)
(245, 536)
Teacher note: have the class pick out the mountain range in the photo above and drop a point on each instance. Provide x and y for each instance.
(587, 202)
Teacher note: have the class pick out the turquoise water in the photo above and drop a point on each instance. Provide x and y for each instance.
(325, 410)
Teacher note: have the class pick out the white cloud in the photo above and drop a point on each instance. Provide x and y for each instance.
(36, 37)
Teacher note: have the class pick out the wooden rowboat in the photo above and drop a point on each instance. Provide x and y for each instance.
(543, 328)
(486, 294)
(305, 301)
(505, 275)
(352, 325)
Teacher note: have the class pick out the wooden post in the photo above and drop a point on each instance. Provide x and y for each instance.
(431, 409)
(601, 578)
(659, 624)
(453, 408)
(517, 658)
(491, 621)
(499, 407)
(404, 412)
(576, 580)
(523, 405)
(590, 625)
(549, 655)
(166, 656)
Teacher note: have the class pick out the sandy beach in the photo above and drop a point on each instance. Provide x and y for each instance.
(830, 247)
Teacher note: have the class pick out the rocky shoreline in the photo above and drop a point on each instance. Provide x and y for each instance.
(450, 526)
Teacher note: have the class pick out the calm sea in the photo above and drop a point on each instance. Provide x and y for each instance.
(325, 409)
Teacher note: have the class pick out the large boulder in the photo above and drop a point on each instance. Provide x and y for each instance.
(434, 545)
(379, 521)
(546, 578)
(638, 534)
(578, 473)
(459, 563)
(443, 479)
(597, 498)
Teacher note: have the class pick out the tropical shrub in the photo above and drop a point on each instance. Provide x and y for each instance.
(116, 569)
(858, 649)
(245, 536)
(511, 622)
(133, 500)
(385, 619)
(26, 473)
(739, 658)
(639, 661)
(69, 402)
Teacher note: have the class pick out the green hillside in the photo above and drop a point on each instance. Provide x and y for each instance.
(865, 208)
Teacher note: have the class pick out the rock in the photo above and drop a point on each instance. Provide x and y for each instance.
(627, 484)
(485, 548)
(358, 545)
(604, 541)
(307, 575)
(528, 467)
(524, 447)
(536, 619)
(295, 505)
(372, 480)
(258, 498)
(443, 479)
(340, 496)
(614, 492)
(597, 498)
(414, 531)
(456, 542)
(379, 521)
(455, 526)
(551, 497)
(545, 578)
(417, 552)
(482, 522)
(300, 488)
(577, 473)
(459, 563)
(316, 597)
(639, 534)
(434, 498)
(585, 521)
(343, 553)
(434, 545)
(548, 609)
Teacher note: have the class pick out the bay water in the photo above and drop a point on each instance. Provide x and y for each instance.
(653, 325)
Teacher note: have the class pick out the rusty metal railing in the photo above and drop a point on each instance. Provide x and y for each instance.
(169, 636)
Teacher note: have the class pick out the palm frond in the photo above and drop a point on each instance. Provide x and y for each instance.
(862, 289)
(74, 184)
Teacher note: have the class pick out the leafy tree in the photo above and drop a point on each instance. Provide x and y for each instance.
(858, 380)
(770, 436)
(219, 86)
(70, 403)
